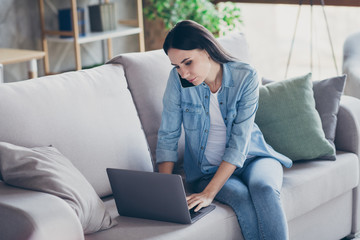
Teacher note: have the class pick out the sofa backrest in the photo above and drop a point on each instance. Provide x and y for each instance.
(147, 74)
(89, 116)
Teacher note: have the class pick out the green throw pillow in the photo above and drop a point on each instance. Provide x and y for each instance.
(289, 121)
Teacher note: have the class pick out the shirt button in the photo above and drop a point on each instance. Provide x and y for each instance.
(206, 130)
(202, 148)
(221, 103)
(206, 96)
(225, 119)
(207, 113)
(187, 110)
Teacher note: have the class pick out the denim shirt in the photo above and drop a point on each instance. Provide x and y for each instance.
(238, 101)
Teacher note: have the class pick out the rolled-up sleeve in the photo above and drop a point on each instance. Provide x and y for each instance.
(171, 120)
(237, 147)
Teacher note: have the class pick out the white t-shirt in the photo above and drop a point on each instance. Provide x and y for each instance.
(216, 142)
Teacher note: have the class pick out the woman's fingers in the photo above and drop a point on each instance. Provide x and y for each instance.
(192, 197)
(198, 200)
(193, 202)
(200, 206)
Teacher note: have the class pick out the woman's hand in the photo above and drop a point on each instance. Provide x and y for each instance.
(206, 197)
(200, 200)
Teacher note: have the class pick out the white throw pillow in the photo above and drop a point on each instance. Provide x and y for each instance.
(45, 169)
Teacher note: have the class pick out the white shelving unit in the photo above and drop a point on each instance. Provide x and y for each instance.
(122, 30)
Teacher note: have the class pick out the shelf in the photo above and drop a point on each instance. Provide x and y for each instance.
(121, 31)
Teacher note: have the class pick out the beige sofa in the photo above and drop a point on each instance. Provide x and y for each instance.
(109, 116)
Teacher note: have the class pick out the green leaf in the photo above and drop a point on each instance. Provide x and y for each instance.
(224, 16)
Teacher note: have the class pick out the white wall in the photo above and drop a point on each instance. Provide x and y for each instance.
(19, 28)
(269, 30)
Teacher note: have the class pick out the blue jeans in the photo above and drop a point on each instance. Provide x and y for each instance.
(253, 192)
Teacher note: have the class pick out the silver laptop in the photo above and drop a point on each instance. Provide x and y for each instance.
(152, 195)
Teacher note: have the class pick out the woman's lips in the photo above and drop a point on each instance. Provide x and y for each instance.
(191, 80)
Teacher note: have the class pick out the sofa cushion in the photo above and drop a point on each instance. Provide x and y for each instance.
(327, 94)
(45, 169)
(147, 74)
(236, 44)
(88, 115)
(305, 180)
(289, 121)
(219, 224)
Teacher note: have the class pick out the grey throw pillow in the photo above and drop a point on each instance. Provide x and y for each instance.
(327, 94)
(45, 169)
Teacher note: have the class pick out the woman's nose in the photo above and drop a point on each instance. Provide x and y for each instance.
(184, 73)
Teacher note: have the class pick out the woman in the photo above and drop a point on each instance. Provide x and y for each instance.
(226, 157)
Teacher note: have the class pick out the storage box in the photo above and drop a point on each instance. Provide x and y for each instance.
(64, 16)
(102, 17)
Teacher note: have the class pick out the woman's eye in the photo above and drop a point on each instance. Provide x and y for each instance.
(188, 63)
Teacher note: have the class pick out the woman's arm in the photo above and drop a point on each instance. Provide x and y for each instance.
(171, 120)
(166, 167)
(246, 106)
(206, 197)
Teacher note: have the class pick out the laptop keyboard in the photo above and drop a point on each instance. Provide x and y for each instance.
(193, 213)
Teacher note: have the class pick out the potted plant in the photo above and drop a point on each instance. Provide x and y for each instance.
(162, 15)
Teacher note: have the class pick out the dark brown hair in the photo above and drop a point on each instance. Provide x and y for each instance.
(189, 35)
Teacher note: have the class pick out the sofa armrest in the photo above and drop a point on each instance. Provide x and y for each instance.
(348, 125)
(348, 139)
(34, 215)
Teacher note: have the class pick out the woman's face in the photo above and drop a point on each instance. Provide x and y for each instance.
(192, 65)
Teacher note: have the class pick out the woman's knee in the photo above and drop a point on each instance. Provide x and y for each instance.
(263, 188)
(234, 191)
(264, 175)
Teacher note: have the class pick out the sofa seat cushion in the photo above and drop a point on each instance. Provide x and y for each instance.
(219, 224)
(309, 184)
(300, 195)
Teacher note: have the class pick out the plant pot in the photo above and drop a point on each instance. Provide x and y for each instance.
(155, 34)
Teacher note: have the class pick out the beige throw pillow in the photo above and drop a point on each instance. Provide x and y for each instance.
(45, 169)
